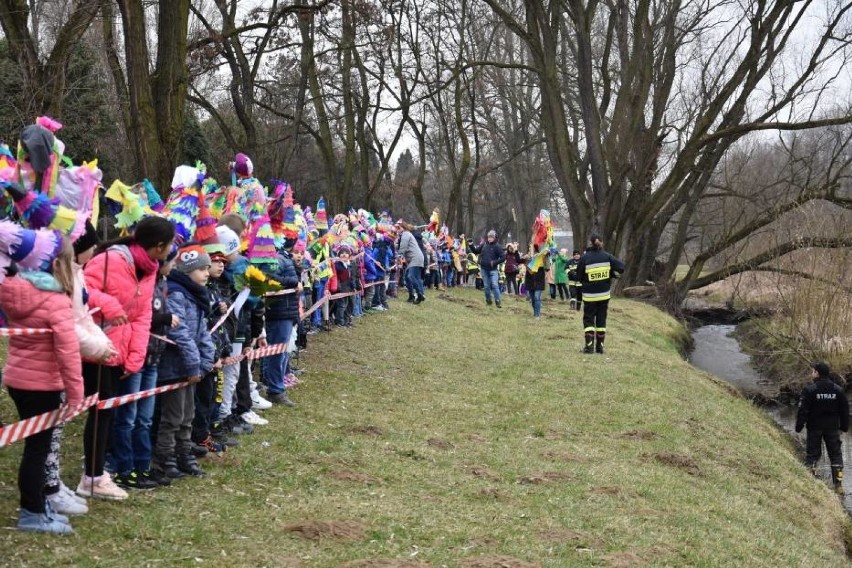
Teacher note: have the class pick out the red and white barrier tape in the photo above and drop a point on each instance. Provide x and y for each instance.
(17, 331)
(31, 426)
(163, 339)
(258, 353)
(128, 398)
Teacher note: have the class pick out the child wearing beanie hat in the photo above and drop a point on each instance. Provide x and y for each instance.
(188, 359)
(191, 258)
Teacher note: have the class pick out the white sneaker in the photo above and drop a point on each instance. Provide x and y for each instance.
(64, 504)
(70, 493)
(258, 402)
(252, 418)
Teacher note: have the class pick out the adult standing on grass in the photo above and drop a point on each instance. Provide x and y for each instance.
(824, 409)
(596, 269)
(410, 250)
(513, 266)
(491, 256)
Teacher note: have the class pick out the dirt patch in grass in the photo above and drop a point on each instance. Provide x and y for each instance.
(496, 562)
(357, 477)
(623, 560)
(491, 492)
(679, 461)
(639, 435)
(439, 444)
(565, 457)
(367, 430)
(543, 477)
(475, 437)
(605, 490)
(385, 563)
(482, 472)
(577, 538)
(331, 530)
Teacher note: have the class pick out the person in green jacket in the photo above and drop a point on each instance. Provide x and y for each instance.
(560, 274)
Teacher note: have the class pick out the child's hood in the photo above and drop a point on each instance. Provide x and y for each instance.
(16, 294)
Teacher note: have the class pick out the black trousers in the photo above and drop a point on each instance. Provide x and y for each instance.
(512, 283)
(205, 395)
(813, 448)
(243, 391)
(32, 472)
(95, 439)
(576, 295)
(594, 320)
(563, 291)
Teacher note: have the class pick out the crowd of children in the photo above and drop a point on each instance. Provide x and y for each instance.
(190, 287)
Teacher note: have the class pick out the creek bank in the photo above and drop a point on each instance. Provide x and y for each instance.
(718, 351)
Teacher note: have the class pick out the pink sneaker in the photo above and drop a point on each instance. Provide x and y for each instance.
(290, 380)
(100, 488)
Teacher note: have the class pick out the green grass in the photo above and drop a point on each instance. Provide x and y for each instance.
(452, 432)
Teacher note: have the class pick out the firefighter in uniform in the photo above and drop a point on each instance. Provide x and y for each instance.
(824, 409)
(596, 269)
(575, 289)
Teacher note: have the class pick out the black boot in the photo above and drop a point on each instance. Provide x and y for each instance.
(589, 346)
(186, 463)
(167, 466)
(498, 303)
(837, 478)
(599, 345)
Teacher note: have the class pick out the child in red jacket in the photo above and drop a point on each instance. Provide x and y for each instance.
(39, 368)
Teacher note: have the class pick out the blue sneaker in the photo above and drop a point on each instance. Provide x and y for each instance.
(41, 522)
(53, 515)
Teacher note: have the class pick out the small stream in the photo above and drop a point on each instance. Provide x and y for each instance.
(718, 352)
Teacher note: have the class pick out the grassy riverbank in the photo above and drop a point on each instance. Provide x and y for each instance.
(449, 434)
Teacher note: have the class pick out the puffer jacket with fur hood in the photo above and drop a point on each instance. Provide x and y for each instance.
(44, 362)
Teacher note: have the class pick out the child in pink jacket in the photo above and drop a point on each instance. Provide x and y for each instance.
(39, 368)
(120, 282)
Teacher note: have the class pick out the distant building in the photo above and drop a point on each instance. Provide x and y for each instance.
(564, 239)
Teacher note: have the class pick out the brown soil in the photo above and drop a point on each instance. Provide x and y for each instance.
(639, 435)
(496, 562)
(543, 477)
(483, 472)
(439, 443)
(385, 563)
(475, 437)
(320, 530)
(368, 430)
(565, 457)
(679, 461)
(348, 475)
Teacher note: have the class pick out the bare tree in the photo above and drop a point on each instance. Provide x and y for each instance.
(642, 99)
(44, 71)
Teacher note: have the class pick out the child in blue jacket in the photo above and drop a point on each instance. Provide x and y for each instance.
(189, 359)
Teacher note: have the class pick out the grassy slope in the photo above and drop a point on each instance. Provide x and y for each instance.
(490, 435)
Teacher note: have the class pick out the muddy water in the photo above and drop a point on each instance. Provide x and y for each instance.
(718, 352)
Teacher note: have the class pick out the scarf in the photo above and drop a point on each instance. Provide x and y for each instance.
(178, 281)
(144, 264)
